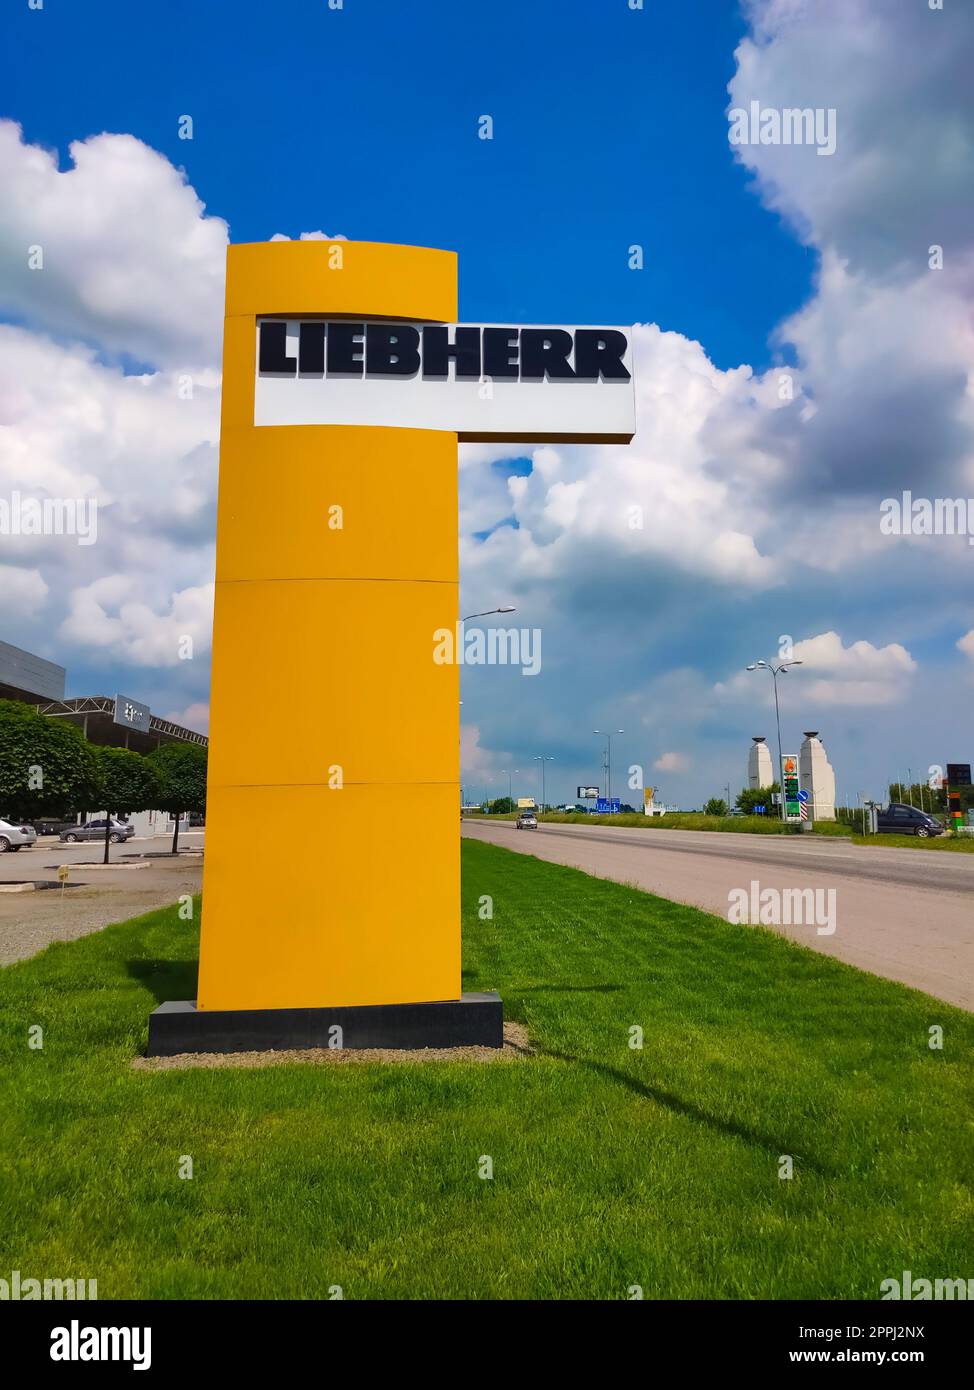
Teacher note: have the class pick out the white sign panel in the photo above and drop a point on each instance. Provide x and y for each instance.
(522, 383)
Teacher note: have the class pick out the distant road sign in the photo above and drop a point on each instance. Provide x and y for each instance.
(760, 810)
(604, 807)
(587, 793)
(803, 796)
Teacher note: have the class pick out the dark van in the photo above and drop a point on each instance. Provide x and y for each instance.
(897, 819)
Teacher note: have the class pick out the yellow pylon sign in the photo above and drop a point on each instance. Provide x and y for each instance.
(331, 873)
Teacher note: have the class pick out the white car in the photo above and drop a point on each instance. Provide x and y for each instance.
(14, 835)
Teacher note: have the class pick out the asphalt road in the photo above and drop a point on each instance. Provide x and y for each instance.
(903, 913)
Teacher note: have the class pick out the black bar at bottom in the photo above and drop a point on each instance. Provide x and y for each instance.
(473, 1020)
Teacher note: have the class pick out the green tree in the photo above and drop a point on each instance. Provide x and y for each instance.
(129, 782)
(755, 796)
(182, 776)
(716, 806)
(46, 766)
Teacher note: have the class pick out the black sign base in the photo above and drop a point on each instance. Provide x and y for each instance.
(473, 1020)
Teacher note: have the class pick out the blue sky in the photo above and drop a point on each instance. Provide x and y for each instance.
(763, 265)
(609, 131)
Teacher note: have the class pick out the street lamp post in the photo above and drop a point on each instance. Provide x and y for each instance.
(543, 758)
(510, 790)
(487, 613)
(608, 759)
(776, 671)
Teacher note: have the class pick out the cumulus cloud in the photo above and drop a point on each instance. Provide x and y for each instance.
(835, 674)
(24, 590)
(130, 261)
(897, 75)
(309, 236)
(475, 761)
(111, 614)
(670, 762)
(966, 644)
(195, 716)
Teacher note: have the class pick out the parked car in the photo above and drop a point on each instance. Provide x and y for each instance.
(14, 834)
(51, 827)
(898, 819)
(527, 820)
(95, 830)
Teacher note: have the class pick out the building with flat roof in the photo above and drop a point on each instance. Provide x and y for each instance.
(24, 676)
(112, 721)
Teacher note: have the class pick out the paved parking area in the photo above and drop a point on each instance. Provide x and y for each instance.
(29, 921)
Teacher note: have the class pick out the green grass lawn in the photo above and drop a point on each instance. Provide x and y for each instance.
(612, 1166)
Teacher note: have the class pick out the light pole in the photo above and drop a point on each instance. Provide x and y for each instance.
(608, 759)
(487, 614)
(510, 792)
(776, 671)
(543, 758)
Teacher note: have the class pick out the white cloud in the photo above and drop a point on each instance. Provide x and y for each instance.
(131, 262)
(834, 674)
(195, 716)
(309, 236)
(966, 644)
(111, 614)
(23, 590)
(898, 77)
(478, 763)
(670, 762)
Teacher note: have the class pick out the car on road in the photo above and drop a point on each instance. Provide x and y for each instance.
(527, 820)
(14, 834)
(899, 819)
(95, 830)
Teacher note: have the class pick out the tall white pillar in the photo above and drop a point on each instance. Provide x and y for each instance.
(759, 769)
(815, 776)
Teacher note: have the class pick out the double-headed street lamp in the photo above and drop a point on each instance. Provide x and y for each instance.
(608, 759)
(776, 671)
(543, 758)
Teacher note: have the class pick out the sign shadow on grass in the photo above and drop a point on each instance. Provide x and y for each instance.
(731, 1128)
(165, 979)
